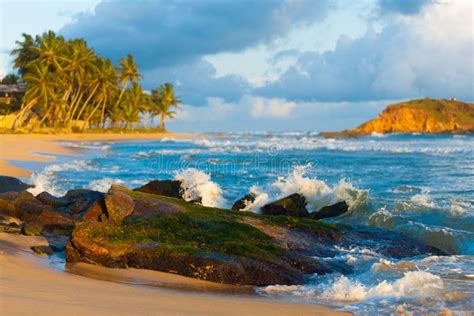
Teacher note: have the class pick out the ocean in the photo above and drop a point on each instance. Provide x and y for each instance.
(420, 185)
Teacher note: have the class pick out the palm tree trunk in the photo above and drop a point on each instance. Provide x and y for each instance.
(92, 114)
(86, 102)
(162, 121)
(20, 114)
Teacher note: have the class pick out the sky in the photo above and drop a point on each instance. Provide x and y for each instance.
(274, 65)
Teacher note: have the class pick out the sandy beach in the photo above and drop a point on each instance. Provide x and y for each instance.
(35, 147)
(28, 285)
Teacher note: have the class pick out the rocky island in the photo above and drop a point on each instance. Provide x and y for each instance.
(427, 116)
(153, 227)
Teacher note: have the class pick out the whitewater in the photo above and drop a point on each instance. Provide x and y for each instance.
(420, 185)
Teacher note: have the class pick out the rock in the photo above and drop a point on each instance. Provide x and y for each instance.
(330, 211)
(51, 200)
(119, 204)
(227, 247)
(33, 228)
(150, 208)
(8, 208)
(10, 184)
(42, 250)
(243, 202)
(95, 212)
(28, 207)
(170, 188)
(49, 222)
(11, 225)
(293, 205)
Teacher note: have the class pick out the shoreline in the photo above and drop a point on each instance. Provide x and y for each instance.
(30, 285)
(36, 147)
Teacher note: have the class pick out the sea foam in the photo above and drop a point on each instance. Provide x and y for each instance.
(197, 185)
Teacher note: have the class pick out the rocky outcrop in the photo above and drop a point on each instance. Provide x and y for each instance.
(242, 248)
(125, 228)
(429, 116)
(293, 205)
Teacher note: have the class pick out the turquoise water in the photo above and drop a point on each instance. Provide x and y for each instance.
(421, 185)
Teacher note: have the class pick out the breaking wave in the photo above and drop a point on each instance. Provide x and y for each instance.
(197, 186)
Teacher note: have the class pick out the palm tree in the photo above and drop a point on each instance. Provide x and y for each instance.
(24, 54)
(107, 86)
(127, 72)
(166, 101)
(40, 91)
(133, 104)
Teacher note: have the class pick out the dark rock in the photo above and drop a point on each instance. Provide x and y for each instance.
(52, 200)
(78, 193)
(10, 184)
(293, 205)
(42, 250)
(330, 211)
(170, 188)
(119, 204)
(243, 202)
(28, 207)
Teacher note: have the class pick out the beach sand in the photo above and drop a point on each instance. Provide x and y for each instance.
(30, 147)
(30, 286)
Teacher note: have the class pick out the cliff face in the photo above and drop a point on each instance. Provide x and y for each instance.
(428, 116)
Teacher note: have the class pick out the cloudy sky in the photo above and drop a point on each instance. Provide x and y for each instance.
(271, 64)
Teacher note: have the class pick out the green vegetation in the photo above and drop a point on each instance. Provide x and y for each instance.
(69, 86)
(442, 109)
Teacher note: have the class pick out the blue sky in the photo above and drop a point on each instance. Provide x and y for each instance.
(272, 64)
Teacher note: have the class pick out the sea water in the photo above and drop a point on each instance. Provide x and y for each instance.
(421, 185)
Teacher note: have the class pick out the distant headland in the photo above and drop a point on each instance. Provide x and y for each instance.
(427, 116)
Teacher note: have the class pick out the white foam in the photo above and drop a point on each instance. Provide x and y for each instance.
(104, 184)
(261, 198)
(413, 284)
(423, 199)
(198, 185)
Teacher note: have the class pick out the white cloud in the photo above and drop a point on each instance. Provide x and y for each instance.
(426, 54)
(269, 108)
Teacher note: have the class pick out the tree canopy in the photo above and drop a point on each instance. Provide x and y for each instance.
(69, 86)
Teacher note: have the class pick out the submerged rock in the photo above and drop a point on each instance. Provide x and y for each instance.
(170, 188)
(293, 205)
(10, 184)
(243, 202)
(330, 211)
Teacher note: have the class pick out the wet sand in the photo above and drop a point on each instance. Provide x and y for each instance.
(35, 147)
(29, 285)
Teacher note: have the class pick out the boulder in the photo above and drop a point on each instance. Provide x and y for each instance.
(10, 184)
(51, 200)
(293, 205)
(49, 222)
(330, 211)
(119, 203)
(8, 208)
(243, 202)
(28, 207)
(170, 188)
